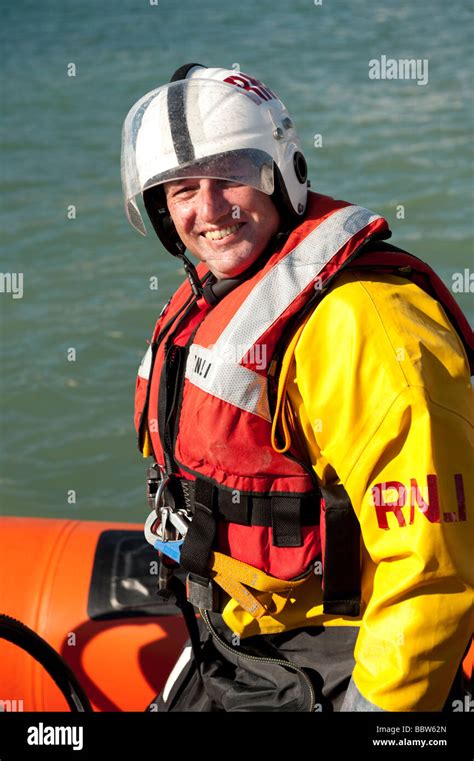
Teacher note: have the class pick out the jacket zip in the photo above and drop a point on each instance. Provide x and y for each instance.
(180, 353)
(174, 353)
(259, 659)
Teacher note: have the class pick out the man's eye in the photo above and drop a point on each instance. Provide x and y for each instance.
(184, 191)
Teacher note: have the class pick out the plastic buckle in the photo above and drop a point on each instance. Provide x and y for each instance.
(201, 592)
(172, 549)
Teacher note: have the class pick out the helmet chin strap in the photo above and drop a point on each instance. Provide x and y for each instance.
(193, 277)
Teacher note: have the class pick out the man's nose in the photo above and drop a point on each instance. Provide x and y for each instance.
(212, 202)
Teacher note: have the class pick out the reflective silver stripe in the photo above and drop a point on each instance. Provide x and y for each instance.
(145, 365)
(229, 381)
(211, 370)
(284, 282)
(178, 667)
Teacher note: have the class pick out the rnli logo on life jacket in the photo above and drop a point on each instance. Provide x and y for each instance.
(201, 366)
(405, 502)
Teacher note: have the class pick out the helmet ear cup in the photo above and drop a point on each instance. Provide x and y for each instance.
(301, 167)
(154, 200)
(280, 197)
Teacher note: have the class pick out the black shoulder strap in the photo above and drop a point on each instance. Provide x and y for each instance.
(341, 553)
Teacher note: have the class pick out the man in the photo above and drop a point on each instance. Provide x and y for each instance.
(307, 399)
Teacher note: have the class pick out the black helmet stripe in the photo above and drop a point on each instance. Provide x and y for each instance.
(182, 142)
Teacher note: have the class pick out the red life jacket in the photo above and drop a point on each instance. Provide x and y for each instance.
(206, 386)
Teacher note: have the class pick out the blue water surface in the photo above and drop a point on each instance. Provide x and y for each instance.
(67, 425)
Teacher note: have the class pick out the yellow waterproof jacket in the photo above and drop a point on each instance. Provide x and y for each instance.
(375, 385)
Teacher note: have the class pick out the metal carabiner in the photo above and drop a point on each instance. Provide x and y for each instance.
(159, 492)
(150, 535)
(171, 548)
(180, 520)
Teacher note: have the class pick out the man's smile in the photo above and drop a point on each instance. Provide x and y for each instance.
(222, 232)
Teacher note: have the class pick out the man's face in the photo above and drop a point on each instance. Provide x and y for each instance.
(223, 224)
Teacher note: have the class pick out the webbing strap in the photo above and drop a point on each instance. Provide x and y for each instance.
(248, 574)
(241, 594)
(286, 524)
(251, 510)
(341, 566)
(232, 575)
(200, 537)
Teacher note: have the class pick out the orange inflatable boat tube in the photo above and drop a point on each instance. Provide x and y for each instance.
(89, 589)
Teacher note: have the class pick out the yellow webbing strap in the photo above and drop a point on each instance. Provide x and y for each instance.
(232, 574)
(241, 594)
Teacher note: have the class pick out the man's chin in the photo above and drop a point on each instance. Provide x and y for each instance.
(230, 265)
(225, 272)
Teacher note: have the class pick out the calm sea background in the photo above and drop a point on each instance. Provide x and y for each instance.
(68, 425)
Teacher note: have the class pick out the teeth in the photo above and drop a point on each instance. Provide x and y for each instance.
(219, 234)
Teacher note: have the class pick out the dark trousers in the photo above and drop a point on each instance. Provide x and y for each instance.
(243, 676)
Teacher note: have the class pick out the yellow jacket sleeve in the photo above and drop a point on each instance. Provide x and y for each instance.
(381, 393)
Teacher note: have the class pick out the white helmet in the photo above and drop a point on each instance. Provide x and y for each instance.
(216, 123)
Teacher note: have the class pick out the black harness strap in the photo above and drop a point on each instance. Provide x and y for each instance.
(341, 567)
(286, 522)
(283, 514)
(201, 533)
(247, 509)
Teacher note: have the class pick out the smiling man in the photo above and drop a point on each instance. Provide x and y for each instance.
(204, 214)
(306, 398)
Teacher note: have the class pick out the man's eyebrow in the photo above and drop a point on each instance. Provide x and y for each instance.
(173, 184)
